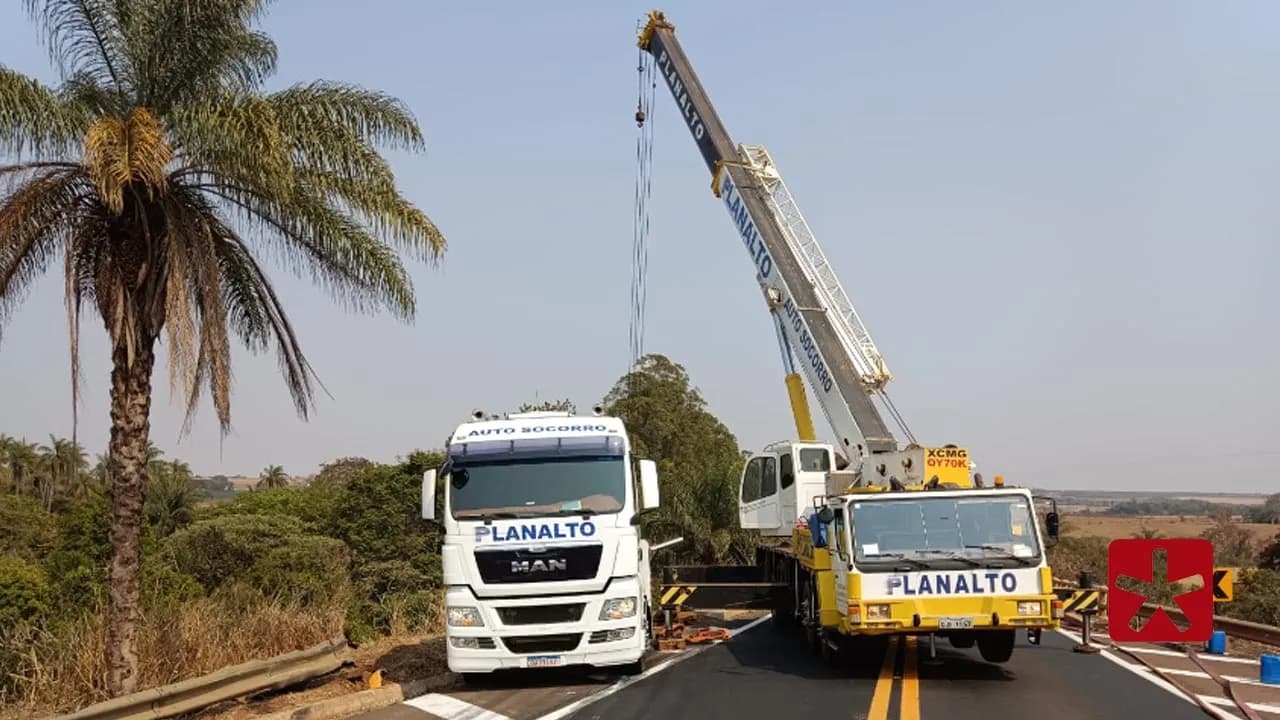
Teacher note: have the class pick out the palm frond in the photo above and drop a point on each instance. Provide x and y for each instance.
(36, 119)
(85, 36)
(339, 254)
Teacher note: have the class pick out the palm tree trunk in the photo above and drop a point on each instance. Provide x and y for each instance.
(130, 428)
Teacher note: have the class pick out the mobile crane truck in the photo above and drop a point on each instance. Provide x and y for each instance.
(872, 540)
(543, 561)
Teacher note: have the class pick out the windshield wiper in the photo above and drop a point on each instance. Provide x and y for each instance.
(1003, 553)
(504, 515)
(584, 512)
(952, 555)
(898, 556)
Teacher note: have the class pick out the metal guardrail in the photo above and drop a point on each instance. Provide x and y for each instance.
(246, 678)
(1233, 627)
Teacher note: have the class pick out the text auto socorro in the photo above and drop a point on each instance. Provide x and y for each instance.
(969, 583)
(570, 530)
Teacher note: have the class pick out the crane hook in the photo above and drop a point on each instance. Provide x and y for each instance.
(639, 117)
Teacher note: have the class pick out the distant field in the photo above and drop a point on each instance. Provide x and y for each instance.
(1119, 526)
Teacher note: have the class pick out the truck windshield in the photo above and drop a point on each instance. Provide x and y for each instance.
(537, 487)
(971, 531)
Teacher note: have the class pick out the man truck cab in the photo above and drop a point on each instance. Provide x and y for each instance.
(543, 561)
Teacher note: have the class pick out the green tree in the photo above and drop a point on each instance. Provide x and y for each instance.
(172, 495)
(550, 405)
(699, 463)
(1269, 512)
(272, 477)
(154, 170)
(342, 471)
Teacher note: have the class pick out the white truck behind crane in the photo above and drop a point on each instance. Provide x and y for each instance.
(544, 565)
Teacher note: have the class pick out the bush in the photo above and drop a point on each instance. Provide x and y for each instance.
(223, 549)
(304, 570)
(314, 506)
(26, 529)
(1257, 598)
(24, 592)
(78, 564)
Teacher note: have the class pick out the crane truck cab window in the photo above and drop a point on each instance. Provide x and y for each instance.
(751, 481)
(815, 460)
(769, 477)
(787, 472)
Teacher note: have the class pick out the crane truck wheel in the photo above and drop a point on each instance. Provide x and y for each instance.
(997, 646)
(961, 640)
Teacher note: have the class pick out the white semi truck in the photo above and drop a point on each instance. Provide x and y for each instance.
(544, 565)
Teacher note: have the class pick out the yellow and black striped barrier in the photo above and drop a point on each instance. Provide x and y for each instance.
(1083, 601)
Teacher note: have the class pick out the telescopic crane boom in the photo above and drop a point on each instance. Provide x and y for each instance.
(815, 321)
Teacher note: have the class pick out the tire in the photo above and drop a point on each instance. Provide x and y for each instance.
(997, 646)
(961, 640)
(472, 679)
(830, 655)
(633, 669)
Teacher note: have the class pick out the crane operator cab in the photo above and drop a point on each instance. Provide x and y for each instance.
(779, 485)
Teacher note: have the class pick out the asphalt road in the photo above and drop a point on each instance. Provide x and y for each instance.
(761, 674)
(764, 674)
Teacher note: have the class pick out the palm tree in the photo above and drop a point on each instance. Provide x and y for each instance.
(172, 495)
(156, 172)
(272, 477)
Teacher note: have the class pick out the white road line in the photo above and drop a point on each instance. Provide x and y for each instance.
(446, 707)
(574, 707)
(1206, 658)
(1138, 670)
(1226, 702)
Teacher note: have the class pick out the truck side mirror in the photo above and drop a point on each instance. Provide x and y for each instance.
(429, 495)
(648, 484)
(826, 515)
(1051, 526)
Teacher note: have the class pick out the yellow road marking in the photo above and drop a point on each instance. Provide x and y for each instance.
(884, 684)
(910, 684)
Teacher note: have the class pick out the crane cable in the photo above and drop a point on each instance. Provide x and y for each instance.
(643, 190)
(897, 416)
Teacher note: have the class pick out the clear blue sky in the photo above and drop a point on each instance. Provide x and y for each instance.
(1058, 221)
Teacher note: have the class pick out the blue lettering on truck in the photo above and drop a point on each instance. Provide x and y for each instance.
(961, 583)
(571, 530)
(538, 429)
(746, 227)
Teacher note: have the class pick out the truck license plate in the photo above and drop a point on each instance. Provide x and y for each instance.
(542, 661)
(955, 623)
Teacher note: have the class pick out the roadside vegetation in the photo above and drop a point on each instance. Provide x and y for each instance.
(281, 565)
(1236, 544)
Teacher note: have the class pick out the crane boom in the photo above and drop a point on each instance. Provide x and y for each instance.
(813, 314)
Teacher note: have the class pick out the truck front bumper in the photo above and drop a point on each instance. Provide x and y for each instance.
(953, 614)
(545, 632)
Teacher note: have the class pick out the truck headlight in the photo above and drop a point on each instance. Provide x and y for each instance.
(877, 612)
(1030, 607)
(618, 608)
(465, 617)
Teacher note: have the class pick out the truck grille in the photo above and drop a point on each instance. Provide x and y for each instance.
(525, 644)
(538, 614)
(578, 562)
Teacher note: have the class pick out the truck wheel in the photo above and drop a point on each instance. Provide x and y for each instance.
(961, 640)
(476, 679)
(633, 669)
(830, 655)
(997, 647)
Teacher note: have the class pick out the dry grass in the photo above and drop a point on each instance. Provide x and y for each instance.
(56, 671)
(1172, 526)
